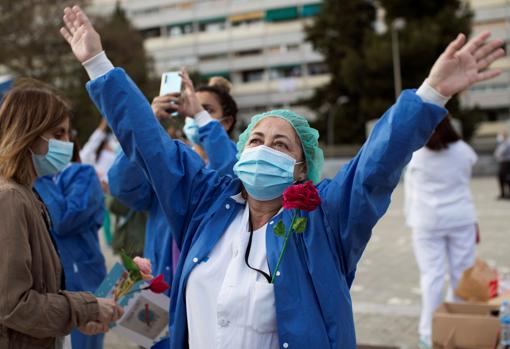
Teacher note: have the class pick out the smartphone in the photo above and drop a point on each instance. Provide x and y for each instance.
(170, 83)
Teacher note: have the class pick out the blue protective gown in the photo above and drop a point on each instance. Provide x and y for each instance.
(129, 184)
(312, 300)
(74, 199)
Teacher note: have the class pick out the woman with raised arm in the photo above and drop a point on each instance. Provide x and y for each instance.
(35, 310)
(209, 129)
(233, 287)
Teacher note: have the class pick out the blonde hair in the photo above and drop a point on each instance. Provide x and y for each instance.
(220, 82)
(29, 110)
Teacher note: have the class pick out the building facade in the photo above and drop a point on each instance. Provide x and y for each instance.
(258, 45)
(493, 96)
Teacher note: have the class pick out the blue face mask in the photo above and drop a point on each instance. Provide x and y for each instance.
(190, 129)
(265, 172)
(58, 157)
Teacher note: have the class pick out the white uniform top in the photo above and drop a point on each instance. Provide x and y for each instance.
(229, 305)
(437, 188)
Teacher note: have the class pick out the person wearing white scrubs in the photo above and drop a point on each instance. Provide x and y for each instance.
(441, 213)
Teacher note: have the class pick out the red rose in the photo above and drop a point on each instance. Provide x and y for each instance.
(158, 284)
(301, 196)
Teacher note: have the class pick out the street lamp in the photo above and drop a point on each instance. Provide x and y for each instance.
(396, 25)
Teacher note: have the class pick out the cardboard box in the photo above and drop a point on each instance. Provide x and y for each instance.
(465, 326)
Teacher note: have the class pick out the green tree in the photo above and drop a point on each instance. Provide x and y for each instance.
(31, 46)
(338, 33)
(361, 66)
(429, 28)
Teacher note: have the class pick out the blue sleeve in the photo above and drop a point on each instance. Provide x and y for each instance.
(128, 183)
(75, 200)
(176, 173)
(220, 149)
(360, 193)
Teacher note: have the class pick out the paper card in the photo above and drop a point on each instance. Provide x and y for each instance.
(145, 318)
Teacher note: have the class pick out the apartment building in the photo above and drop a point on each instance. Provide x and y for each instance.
(258, 45)
(493, 96)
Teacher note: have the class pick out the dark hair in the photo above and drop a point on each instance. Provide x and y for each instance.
(443, 135)
(222, 92)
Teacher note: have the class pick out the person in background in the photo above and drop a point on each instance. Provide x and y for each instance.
(502, 155)
(75, 203)
(36, 311)
(441, 213)
(100, 150)
(129, 184)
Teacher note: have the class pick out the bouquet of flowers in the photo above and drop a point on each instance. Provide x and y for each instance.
(137, 269)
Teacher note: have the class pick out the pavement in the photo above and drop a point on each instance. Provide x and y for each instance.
(385, 293)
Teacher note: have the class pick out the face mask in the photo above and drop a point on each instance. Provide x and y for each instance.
(58, 157)
(190, 129)
(265, 172)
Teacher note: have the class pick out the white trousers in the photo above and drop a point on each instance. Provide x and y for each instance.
(438, 252)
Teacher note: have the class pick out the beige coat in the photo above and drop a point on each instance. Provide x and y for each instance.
(33, 309)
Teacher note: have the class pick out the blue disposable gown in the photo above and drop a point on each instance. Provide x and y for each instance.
(312, 300)
(129, 184)
(75, 202)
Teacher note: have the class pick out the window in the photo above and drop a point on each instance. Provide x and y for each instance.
(213, 57)
(151, 33)
(317, 69)
(180, 29)
(212, 25)
(285, 72)
(253, 75)
(248, 53)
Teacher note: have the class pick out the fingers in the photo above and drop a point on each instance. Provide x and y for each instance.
(473, 44)
(488, 74)
(455, 45)
(186, 80)
(486, 49)
(93, 327)
(486, 61)
(69, 20)
(66, 34)
(81, 16)
(117, 312)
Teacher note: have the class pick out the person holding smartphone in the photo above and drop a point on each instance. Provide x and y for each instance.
(36, 311)
(131, 186)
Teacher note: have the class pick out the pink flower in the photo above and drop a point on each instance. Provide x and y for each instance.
(145, 267)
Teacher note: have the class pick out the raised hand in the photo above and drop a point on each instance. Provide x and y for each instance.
(189, 105)
(164, 106)
(463, 64)
(80, 34)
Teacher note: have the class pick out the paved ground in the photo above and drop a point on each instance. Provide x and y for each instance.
(386, 296)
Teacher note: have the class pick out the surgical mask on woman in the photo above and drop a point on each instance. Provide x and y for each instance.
(190, 129)
(265, 172)
(58, 157)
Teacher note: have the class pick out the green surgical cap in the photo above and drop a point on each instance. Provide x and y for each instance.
(309, 139)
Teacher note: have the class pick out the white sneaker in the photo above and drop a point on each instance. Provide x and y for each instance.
(425, 342)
